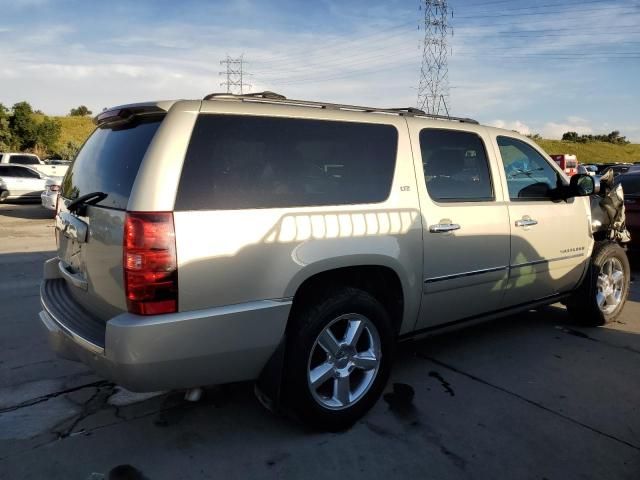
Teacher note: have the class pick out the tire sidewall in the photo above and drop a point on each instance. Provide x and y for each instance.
(309, 323)
(605, 252)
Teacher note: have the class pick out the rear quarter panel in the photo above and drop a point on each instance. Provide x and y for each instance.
(230, 257)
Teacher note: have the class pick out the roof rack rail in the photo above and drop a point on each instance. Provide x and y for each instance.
(272, 97)
(266, 94)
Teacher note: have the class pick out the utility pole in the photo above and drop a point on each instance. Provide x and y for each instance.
(234, 75)
(433, 88)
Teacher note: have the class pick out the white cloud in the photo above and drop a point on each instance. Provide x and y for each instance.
(571, 124)
(516, 125)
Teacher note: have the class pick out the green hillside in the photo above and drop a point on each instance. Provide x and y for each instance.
(74, 130)
(593, 152)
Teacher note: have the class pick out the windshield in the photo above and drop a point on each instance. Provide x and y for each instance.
(109, 161)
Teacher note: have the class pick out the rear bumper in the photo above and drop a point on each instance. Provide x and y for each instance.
(173, 351)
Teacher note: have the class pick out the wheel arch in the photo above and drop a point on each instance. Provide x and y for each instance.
(381, 276)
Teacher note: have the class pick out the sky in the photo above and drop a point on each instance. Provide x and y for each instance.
(544, 67)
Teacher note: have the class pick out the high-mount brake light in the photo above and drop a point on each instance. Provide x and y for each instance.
(150, 264)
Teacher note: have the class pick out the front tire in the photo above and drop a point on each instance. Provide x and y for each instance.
(604, 290)
(339, 354)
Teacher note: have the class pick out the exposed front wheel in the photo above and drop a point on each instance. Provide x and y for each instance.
(604, 291)
(338, 358)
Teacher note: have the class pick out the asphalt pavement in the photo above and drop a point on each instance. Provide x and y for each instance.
(531, 396)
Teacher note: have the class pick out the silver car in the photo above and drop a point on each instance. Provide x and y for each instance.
(18, 182)
(294, 243)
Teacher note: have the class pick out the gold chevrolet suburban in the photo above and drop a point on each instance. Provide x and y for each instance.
(292, 242)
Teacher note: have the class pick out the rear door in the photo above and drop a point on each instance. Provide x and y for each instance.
(465, 224)
(32, 182)
(16, 180)
(90, 240)
(550, 239)
(7, 173)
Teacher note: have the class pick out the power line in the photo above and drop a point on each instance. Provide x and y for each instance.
(548, 12)
(234, 74)
(433, 87)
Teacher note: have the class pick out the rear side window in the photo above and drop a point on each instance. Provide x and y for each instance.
(8, 171)
(236, 162)
(24, 160)
(18, 172)
(455, 166)
(109, 161)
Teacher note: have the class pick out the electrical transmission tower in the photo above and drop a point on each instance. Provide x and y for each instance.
(433, 89)
(234, 75)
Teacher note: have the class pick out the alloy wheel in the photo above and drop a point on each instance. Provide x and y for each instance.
(344, 361)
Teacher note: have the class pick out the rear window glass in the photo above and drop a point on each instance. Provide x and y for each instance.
(236, 162)
(24, 160)
(109, 161)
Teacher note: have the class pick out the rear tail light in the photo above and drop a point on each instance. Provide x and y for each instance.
(150, 265)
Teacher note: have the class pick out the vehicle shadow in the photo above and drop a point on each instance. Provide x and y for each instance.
(25, 210)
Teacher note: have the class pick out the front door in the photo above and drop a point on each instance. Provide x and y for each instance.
(466, 226)
(549, 238)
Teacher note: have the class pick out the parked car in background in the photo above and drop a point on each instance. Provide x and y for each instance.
(568, 163)
(618, 168)
(58, 161)
(21, 182)
(33, 161)
(589, 169)
(49, 197)
(631, 186)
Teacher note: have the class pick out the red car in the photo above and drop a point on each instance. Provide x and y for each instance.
(631, 186)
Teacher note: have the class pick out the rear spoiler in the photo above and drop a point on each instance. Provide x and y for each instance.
(125, 113)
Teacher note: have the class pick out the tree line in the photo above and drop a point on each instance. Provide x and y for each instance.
(20, 131)
(613, 137)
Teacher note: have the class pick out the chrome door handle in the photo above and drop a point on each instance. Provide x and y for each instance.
(443, 227)
(526, 222)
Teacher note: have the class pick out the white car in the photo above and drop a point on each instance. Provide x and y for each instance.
(19, 182)
(53, 169)
(50, 195)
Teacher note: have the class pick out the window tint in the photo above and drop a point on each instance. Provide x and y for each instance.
(630, 184)
(109, 161)
(455, 166)
(18, 172)
(238, 162)
(7, 171)
(529, 175)
(24, 159)
(28, 173)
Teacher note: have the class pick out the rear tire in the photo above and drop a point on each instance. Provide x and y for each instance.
(339, 354)
(603, 293)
